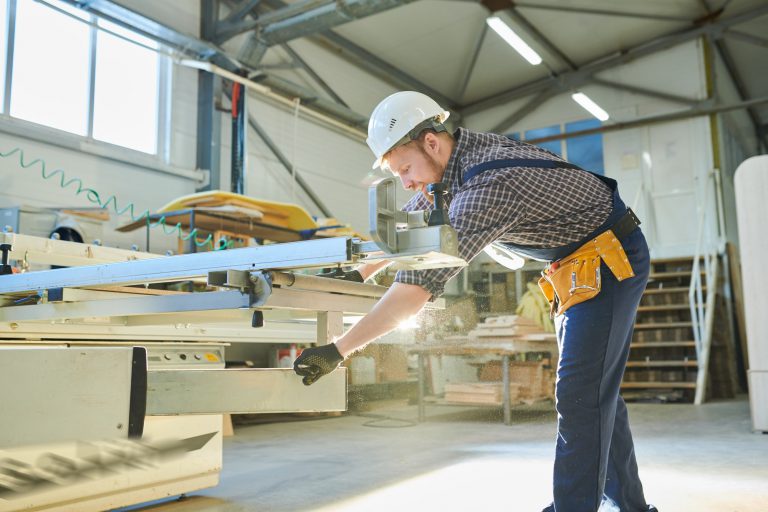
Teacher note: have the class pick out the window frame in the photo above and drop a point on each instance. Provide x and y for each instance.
(158, 160)
(521, 135)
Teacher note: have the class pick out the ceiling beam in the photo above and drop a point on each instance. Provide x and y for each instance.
(601, 12)
(738, 82)
(747, 38)
(472, 61)
(262, 20)
(379, 67)
(732, 69)
(311, 98)
(209, 53)
(312, 21)
(645, 92)
(367, 61)
(574, 79)
(312, 73)
(241, 10)
(540, 38)
(665, 118)
(189, 45)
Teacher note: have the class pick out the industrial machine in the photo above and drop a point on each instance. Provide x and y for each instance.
(112, 376)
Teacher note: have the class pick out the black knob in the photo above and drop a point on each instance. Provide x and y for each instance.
(439, 213)
(5, 268)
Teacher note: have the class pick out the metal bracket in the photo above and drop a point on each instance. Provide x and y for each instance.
(258, 285)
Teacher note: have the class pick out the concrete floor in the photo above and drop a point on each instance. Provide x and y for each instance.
(696, 459)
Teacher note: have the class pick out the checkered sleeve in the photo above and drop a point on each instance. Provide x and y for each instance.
(480, 216)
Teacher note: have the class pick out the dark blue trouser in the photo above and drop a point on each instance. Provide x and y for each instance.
(595, 454)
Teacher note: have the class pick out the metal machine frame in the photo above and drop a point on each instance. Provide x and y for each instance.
(69, 333)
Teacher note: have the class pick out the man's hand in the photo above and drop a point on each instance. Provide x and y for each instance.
(337, 273)
(315, 362)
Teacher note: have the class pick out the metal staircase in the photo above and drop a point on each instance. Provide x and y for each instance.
(663, 361)
(675, 329)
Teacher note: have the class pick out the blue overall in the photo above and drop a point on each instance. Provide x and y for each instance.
(595, 455)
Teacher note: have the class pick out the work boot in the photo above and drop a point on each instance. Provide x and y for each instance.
(551, 508)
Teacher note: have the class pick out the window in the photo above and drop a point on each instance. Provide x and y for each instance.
(50, 68)
(554, 146)
(126, 98)
(3, 48)
(85, 76)
(585, 151)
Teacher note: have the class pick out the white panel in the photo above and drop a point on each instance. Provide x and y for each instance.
(675, 232)
(670, 151)
(758, 399)
(46, 399)
(627, 160)
(751, 191)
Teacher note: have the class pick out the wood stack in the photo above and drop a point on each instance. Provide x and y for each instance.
(517, 332)
(535, 379)
(486, 393)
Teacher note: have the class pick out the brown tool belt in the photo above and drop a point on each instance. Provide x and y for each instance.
(576, 278)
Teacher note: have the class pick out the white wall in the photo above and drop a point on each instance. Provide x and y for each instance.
(334, 166)
(660, 168)
(144, 180)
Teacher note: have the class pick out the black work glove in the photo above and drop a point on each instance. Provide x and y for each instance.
(337, 273)
(315, 362)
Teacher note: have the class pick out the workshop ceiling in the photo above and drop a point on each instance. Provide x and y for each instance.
(445, 47)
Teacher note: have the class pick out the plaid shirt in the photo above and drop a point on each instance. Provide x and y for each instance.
(536, 207)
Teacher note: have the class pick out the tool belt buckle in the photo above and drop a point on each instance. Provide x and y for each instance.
(577, 277)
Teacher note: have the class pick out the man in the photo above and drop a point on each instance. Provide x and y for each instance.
(541, 207)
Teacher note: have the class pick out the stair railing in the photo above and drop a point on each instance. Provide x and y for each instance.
(703, 315)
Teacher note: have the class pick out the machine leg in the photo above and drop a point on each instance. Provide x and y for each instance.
(505, 391)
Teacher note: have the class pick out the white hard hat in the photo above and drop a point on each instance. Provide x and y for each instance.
(395, 118)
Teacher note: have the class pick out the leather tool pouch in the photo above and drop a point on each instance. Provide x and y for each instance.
(576, 278)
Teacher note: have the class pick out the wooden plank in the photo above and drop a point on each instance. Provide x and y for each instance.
(671, 289)
(676, 259)
(659, 385)
(663, 344)
(665, 325)
(664, 307)
(488, 393)
(673, 274)
(661, 364)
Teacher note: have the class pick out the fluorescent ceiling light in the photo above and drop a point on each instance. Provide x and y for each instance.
(513, 40)
(590, 106)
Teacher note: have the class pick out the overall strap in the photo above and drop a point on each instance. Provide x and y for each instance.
(516, 162)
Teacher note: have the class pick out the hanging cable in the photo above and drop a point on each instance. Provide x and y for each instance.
(297, 104)
(94, 197)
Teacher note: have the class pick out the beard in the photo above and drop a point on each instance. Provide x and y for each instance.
(436, 169)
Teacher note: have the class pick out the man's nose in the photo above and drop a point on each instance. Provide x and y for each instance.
(407, 183)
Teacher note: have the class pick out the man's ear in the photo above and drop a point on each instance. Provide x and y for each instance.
(432, 142)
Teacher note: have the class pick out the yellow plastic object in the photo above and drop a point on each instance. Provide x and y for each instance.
(285, 215)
